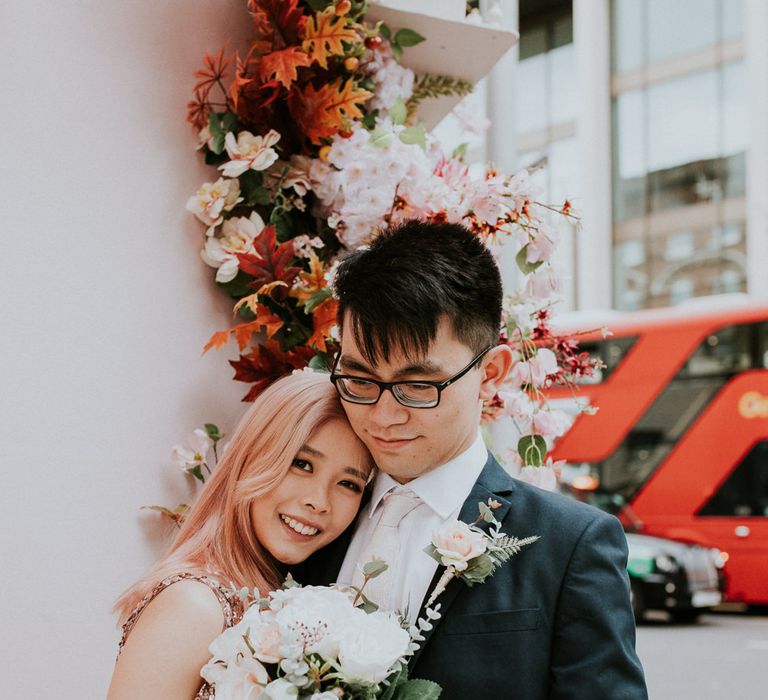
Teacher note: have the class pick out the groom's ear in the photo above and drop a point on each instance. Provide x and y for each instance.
(497, 365)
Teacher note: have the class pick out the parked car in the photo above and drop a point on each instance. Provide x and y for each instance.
(682, 579)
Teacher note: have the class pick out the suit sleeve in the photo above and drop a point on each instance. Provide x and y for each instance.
(593, 654)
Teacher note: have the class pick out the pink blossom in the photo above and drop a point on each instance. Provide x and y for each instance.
(543, 477)
(551, 424)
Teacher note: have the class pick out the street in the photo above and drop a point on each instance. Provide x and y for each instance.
(720, 656)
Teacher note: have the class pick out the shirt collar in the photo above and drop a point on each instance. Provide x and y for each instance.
(445, 488)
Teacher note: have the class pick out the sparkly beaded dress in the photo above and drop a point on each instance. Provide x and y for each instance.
(230, 602)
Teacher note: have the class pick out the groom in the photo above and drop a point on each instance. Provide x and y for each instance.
(419, 313)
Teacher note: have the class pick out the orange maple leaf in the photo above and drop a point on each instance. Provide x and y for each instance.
(243, 331)
(218, 340)
(323, 320)
(323, 36)
(329, 109)
(283, 65)
(310, 282)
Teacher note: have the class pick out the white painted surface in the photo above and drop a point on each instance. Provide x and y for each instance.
(105, 309)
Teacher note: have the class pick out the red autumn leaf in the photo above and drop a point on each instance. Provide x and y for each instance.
(280, 21)
(266, 364)
(327, 110)
(283, 65)
(271, 261)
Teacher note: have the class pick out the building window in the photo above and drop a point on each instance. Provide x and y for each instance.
(679, 143)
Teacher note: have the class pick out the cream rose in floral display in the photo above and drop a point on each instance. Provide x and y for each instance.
(456, 544)
(237, 236)
(212, 199)
(249, 152)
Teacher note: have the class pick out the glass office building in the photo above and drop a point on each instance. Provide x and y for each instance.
(649, 115)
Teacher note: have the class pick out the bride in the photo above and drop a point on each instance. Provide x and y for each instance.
(289, 482)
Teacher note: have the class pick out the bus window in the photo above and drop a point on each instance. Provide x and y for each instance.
(610, 352)
(745, 491)
(727, 351)
(719, 356)
(762, 345)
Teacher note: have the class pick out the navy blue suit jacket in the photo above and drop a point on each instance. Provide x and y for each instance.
(553, 622)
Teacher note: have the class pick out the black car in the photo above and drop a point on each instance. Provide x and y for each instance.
(682, 579)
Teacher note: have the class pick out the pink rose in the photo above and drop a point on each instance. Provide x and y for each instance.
(456, 543)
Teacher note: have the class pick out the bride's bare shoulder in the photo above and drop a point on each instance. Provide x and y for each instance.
(166, 648)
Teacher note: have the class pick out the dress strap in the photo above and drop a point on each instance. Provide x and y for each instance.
(230, 602)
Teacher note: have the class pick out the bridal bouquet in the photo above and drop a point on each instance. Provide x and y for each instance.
(315, 643)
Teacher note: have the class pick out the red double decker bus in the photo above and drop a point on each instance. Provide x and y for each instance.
(679, 445)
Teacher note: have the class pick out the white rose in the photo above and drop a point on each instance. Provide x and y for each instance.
(279, 689)
(313, 617)
(457, 544)
(370, 645)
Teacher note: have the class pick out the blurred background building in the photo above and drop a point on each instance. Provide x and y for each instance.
(651, 117)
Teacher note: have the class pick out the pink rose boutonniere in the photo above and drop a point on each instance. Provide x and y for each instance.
(470, 553)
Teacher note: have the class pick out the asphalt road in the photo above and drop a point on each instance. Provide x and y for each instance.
(722, 656)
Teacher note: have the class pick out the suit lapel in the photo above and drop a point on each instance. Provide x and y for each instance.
(494, 483)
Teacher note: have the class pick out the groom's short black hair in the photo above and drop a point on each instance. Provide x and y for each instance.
(394, 293)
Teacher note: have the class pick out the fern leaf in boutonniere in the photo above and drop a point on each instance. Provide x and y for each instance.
(470, 553)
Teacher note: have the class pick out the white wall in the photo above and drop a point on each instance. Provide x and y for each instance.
(105, 308)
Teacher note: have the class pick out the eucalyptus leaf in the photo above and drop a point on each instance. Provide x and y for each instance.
(381, 137)
(414, 135)
(418, 689)
(375, 567)
(532, 449)
(408, 37)
(368, 605)
(522, 261)
(398, 111)
(486, 513)
(460, 151)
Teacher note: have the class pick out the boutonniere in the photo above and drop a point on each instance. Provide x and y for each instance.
(471, 553)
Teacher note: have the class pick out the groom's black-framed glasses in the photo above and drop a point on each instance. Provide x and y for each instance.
(412, 394)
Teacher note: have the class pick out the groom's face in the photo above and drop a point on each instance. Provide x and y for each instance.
(407, 442)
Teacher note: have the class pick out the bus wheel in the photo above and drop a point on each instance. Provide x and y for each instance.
(638, 600)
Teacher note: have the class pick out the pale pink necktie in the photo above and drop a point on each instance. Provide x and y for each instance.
(384, 543)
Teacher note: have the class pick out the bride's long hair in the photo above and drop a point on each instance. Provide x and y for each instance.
(216, 537)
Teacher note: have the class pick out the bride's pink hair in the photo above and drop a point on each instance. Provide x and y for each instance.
(216, 537)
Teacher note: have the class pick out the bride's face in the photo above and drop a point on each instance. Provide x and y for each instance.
(318, 498)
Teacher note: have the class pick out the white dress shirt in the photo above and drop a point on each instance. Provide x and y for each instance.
(443, 491)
